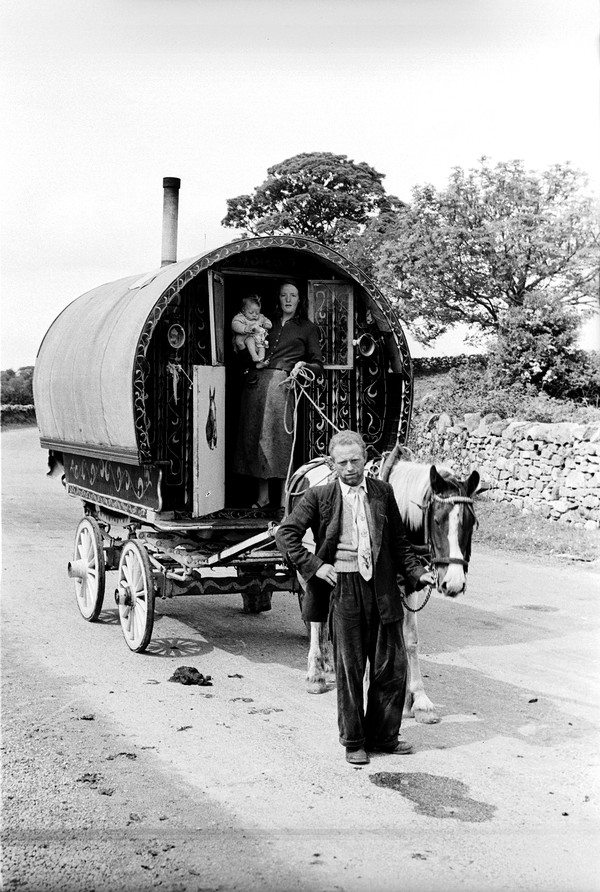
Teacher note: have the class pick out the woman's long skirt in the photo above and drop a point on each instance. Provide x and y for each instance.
(263, 446)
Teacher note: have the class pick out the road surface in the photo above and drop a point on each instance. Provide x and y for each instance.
(115, 779)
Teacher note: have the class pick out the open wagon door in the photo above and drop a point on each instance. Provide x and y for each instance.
(353, 391)
(209, 411)
(331, 307)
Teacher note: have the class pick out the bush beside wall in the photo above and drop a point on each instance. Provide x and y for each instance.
(435, 365)
(14, 414)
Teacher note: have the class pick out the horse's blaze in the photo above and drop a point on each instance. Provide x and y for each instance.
(453, 581)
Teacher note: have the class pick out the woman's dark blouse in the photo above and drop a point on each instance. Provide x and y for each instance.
(296, 341)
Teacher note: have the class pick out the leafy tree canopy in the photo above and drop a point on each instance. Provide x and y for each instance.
(477, 248)
(317, 194)
(537, 347)
(17, 387)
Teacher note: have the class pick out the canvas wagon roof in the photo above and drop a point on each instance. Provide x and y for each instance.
(87, 387)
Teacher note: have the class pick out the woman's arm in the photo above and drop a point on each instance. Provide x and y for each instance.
(314, 357)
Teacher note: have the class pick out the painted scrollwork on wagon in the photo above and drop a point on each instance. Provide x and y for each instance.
(371, 393)
(333, 395)
(121, 506)
(331, 308)
(105, 477)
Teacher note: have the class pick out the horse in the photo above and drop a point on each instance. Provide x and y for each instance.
(211, 419)
(437, 510)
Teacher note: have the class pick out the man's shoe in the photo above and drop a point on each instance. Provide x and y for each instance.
(402, 748)
(357, 756)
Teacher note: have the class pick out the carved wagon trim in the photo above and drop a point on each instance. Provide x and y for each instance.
(119, 505)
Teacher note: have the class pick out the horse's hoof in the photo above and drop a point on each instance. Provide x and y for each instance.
(426, 718)
(316, 687)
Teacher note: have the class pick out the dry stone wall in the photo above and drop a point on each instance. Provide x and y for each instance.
(547, 469)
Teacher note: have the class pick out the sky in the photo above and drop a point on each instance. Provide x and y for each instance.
(101, 99)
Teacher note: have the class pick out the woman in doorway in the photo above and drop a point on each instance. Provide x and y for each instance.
(264, 446)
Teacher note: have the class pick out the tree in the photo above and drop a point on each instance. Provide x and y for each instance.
(537, 347)
(317, 194)
(477, 248)
(17, 387)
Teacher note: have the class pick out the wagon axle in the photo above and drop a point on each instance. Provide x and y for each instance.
(77, 569)
(123, 597)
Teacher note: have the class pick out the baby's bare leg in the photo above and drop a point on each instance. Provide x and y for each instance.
(253, 349)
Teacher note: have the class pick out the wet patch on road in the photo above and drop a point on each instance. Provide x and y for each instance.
(436, 796)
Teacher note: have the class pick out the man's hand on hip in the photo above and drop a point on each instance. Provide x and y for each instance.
(327, 573)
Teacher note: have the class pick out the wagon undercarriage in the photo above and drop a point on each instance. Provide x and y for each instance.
(212, 557)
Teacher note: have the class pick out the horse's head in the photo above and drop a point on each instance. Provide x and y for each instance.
(449, 521)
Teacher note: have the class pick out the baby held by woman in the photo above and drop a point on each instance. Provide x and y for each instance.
(250, 328)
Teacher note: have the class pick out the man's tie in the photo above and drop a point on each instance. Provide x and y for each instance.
(365, 560)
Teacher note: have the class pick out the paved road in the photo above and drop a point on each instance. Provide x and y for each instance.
(116, 779)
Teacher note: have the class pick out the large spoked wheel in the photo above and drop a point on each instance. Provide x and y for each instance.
(88, 569)
(135, 596)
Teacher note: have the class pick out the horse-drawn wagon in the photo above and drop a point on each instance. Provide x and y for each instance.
(137, 395)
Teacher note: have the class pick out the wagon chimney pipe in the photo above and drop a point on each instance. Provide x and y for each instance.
(170, 214)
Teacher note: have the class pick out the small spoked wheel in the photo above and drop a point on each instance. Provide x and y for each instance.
(135, 596)
(88, 569)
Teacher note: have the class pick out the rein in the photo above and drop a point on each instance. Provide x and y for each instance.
(430, 588)
(296, 387)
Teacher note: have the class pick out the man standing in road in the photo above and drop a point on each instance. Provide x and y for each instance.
(360, 546)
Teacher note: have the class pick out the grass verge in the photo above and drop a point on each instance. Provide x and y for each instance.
(503, 526)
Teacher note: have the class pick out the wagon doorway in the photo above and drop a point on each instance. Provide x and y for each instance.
(219, 387)
(345, 393)
(236, 285)
(330, 304)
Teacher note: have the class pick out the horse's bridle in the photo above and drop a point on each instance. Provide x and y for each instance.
(429, 549)
(449, 500)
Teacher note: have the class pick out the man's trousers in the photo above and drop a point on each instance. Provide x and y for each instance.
(357, 634)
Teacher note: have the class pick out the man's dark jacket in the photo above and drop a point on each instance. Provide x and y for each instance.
(320, 509)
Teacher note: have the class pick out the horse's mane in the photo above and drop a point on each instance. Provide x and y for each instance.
(412, 489)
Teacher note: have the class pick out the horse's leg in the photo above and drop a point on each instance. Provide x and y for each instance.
(417, 702)
(319, 651)
(327, 653)
(315, 676)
